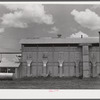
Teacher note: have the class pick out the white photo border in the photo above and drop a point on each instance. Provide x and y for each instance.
(46, 93)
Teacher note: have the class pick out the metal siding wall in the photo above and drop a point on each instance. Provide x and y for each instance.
(66, 69)
(70, 54)
(34, 69)
(94, 58)
(72, 59)
(95, 53)
(66, 59)
(78, 58)
(23, 69)
(34, 58)
(98, 65)
(55, 56)
(24, 56)
(50, 69)
(55, 69)
(28, 53)
(66, 56)
(50, 56)
(72, 70)
(40, 69)
(40, 55)
(39, 66)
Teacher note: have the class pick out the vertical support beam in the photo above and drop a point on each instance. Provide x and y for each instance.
(16, 73)
(20, 70)
(78, 60)
(60, 65)
(37, 61)
(28, 71)
(53, 60)
(44, 67)
(28, 67)
(61, 71)
(94, 72)
(22, 50)
(77, 69)
(61, 60)
(69, 59)
(44, 71)
(99, 51)
(86, 67)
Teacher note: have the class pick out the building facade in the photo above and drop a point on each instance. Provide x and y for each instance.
(59, 57)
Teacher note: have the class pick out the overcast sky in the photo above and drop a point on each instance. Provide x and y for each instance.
(19, 21)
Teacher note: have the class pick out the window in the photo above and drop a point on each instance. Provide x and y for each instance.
(11, 70)
(7, 70)
(3, 70)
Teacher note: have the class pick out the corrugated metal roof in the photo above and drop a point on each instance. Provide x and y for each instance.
(9, 64)
(60, 40)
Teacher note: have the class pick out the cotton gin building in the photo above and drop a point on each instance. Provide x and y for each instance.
(59, 57)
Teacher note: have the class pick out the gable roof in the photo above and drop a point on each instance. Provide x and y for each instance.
(9, 64)
(60, 40)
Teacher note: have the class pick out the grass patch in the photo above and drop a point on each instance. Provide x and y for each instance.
(51, 83)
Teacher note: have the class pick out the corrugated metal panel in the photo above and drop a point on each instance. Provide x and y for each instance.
(4, 64)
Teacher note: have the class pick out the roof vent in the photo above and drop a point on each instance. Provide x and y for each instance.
(59, 35)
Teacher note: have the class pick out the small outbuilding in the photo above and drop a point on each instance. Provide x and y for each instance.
(9, 70)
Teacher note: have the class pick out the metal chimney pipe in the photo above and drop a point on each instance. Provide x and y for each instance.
(81, 36)
(59, 35)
